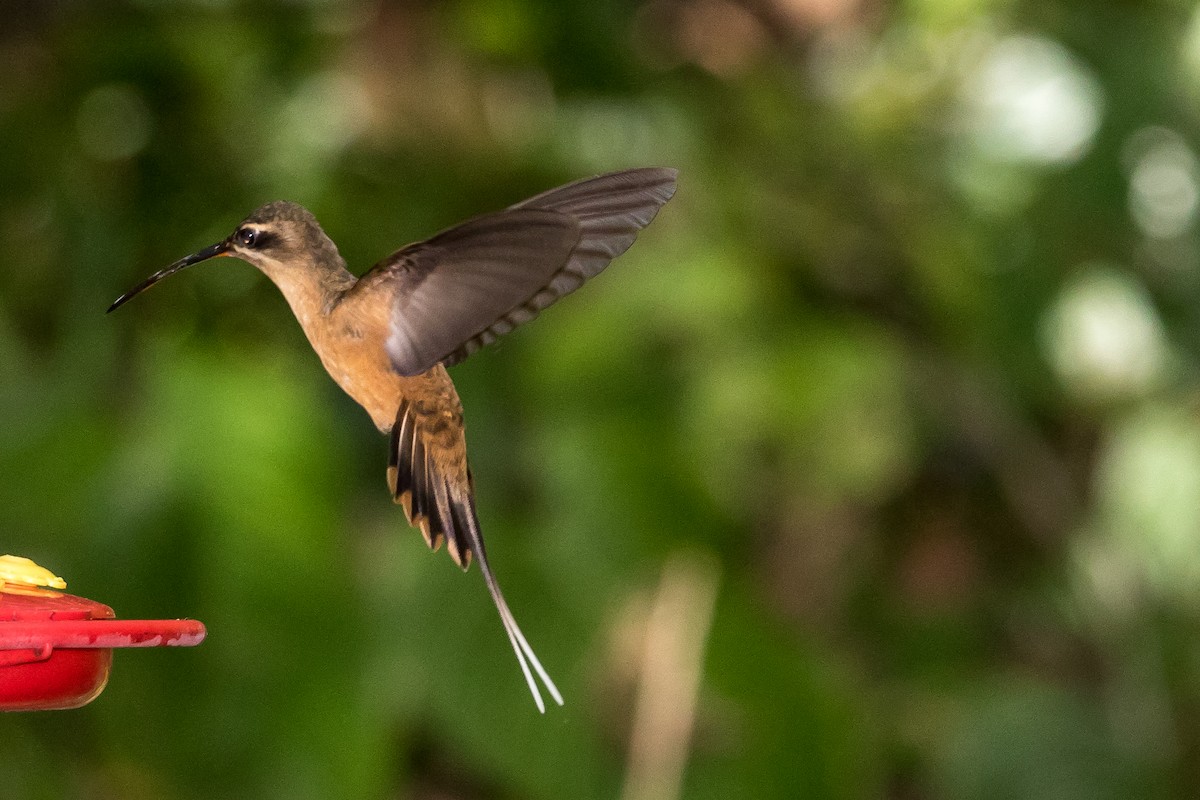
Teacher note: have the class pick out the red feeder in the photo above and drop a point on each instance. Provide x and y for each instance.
(56, 649)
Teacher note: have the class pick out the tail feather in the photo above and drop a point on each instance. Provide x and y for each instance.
(419, 491)
(409, 477)
(458, 547)
(443, 510)
(400, 469)
(464, 513)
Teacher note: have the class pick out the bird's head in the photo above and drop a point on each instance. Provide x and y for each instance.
(282, 239)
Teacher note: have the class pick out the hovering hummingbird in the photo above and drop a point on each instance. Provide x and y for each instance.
(387, 336)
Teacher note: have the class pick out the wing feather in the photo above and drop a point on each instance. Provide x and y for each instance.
(471, 284)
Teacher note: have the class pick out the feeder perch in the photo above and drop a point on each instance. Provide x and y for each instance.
(56, 649)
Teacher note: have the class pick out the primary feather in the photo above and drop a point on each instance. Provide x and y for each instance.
(471, 284)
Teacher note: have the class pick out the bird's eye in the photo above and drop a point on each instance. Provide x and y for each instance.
(247, 237)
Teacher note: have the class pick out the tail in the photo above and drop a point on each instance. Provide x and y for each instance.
(446, 511)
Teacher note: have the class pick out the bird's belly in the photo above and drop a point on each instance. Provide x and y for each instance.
(381, 405)
(369, 379)
(362, 367)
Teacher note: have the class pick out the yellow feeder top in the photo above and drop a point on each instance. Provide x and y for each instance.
(19, 572)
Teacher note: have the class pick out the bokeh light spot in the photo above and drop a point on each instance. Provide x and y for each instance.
(1148, 490)
(1030, 100)
(1163, 190)
(113, 122)
(1104, 337)
(329, 110)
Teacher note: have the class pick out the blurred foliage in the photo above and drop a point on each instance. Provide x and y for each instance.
(907, 369)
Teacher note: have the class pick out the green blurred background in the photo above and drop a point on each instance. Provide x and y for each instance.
(872, 470)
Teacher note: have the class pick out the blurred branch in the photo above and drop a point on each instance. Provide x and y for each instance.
(675, 632)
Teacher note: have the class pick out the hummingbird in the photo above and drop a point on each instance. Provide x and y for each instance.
(387, 336)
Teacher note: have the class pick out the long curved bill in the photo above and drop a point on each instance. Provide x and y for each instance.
(218, 249)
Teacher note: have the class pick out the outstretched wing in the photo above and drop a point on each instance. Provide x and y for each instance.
(475, 282)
